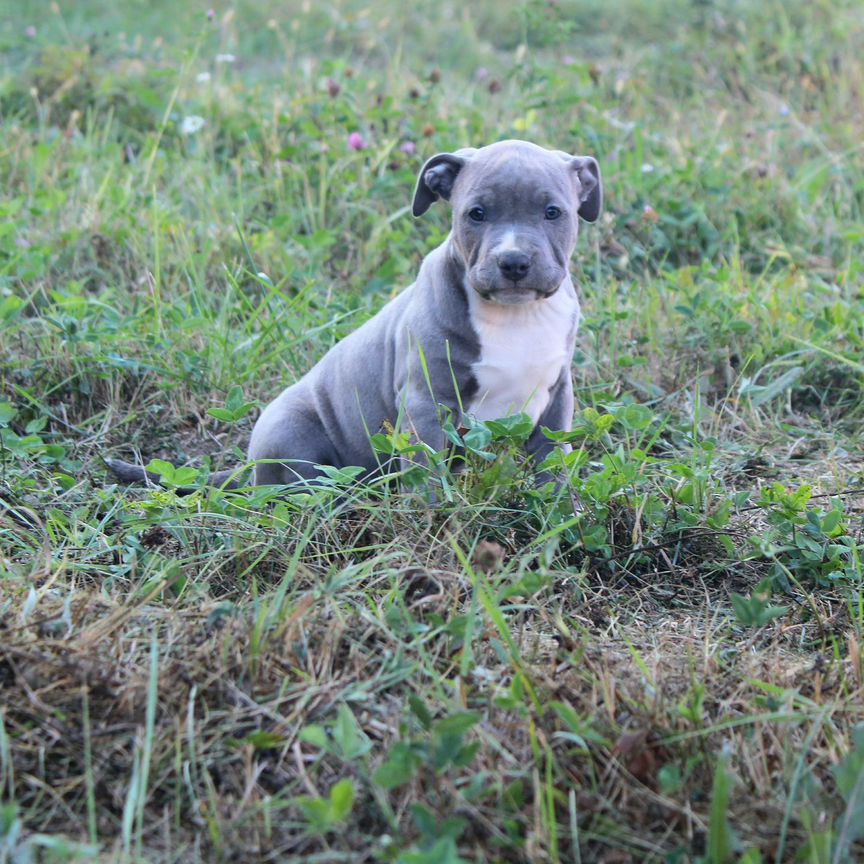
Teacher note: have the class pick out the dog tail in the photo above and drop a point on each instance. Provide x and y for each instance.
(127, 472)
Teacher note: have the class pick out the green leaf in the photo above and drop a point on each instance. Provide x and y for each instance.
(420, 711)
(741, 327)
(65, 481)
(341, 800)
(316, 811)
(452, 433)
(831, 521)
(754, 611)
(164, 469)
(235, 398)
(398, 768)
(529, 584)
(264, 740)
(10, 824)
(634, 417)
(456, 724)
(37, 424)
(445, 749)
(349, 738)
(52, 453)
(691, 706)
(235, 408)
(221, 414)
(465, 755)
(185, 476)
(741, 606)
(7, 413)
(316, 736)
(558, 436)
(172, 476)
(9, 306)
(477, 439)
(517, 427)
(394, 442)
(341, 476)
(424, 820)
(443, 852)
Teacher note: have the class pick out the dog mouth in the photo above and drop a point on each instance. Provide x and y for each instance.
(494, 286)
(514, 294)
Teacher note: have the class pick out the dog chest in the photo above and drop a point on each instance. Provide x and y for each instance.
(522, 351)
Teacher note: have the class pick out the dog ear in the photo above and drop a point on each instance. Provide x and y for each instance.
(436, 180)
(590, 186)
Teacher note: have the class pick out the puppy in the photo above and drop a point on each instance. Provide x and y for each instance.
(487, 329)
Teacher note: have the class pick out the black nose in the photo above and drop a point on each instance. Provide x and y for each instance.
(514, 265)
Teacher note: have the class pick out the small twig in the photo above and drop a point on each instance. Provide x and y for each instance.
(301, 771)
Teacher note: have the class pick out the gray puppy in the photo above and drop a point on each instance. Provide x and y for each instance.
(488, 328)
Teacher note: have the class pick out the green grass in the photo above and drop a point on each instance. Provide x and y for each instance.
(672, 673)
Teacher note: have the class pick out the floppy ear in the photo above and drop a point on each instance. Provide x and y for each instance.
(436, 180)
(590, 187)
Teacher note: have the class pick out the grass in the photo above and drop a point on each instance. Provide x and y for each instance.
(673, 673)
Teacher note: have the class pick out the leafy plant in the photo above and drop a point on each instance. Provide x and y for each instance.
(30, 446)
(807, 543)
(755, 610)
(343, 739)
(326, 814)
(235, 408)
(439, 746)
(173, 476)
(442, 851)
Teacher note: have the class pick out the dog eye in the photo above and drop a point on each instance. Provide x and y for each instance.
(553, 212)
(477, 214)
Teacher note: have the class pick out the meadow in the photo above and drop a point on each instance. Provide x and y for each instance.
(196, 204)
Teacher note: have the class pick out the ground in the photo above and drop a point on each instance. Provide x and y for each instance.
(659, 661)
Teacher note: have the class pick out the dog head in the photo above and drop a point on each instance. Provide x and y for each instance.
(516, 210)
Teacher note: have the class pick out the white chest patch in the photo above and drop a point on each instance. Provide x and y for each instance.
(522, 351)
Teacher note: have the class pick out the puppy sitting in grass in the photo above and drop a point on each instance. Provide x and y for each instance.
(488, 327)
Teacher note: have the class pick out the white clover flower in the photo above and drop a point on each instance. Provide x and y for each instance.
(191, 124)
